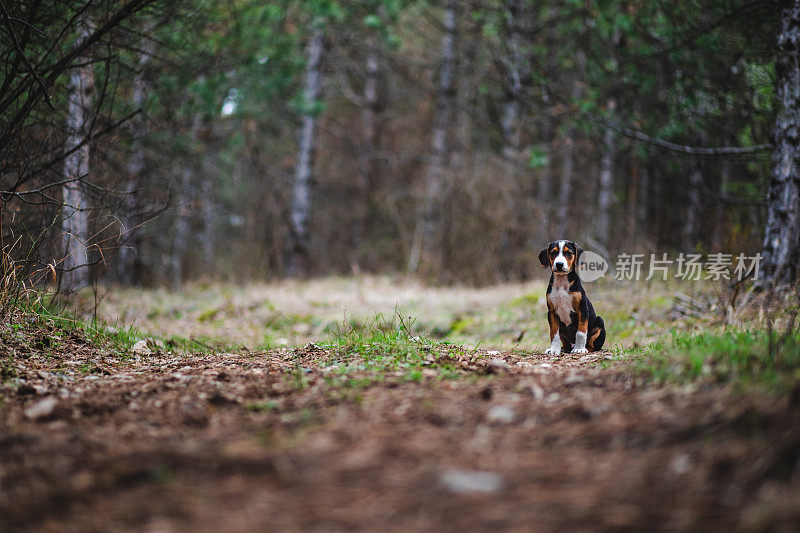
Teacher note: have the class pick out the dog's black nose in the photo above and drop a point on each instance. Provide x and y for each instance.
(558, 266)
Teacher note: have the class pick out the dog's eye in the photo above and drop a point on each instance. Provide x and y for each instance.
(568, 254)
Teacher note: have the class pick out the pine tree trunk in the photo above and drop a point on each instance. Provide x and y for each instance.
(369, 137)
(75, 213)
(644, 197)
(605, 184)
(633, 195)
(780, 247)
(691, 222)
(724, 179)
(565, 187)
(428, 232)
(297, 255)
(182, 227)
(208, 205)
(129, 260)
(563, 214)
(544, 190)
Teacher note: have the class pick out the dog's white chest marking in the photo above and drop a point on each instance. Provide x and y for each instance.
(561, 299)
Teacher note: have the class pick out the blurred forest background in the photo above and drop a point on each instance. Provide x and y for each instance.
(162, 142)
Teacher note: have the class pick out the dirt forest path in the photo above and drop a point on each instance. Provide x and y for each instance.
(269, 441)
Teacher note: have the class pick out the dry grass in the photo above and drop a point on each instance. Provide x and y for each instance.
(294, 312)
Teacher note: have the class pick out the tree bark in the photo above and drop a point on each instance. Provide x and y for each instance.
(724, 179)
(369, 139)
(780, 246)
(568, 163)
(632, 198)
(693, 201)
(565, 189)
(297, 256)
(129, 261)
(75, 212)
(428, 232)
(605, 183)
(182, 227)
(514, 67)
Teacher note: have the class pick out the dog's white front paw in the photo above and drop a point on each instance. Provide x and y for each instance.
(580, 350)
(552, 351)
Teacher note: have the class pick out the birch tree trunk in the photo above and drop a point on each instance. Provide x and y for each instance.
(780, 247)
(546, 186)
(428, 232)
(297, 256)
(75, 212)
(514, 66)
(129, 262)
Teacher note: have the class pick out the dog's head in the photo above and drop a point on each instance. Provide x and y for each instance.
(560, 256)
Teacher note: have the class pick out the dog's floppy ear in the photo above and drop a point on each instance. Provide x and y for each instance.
(578, 251)
(543, 258)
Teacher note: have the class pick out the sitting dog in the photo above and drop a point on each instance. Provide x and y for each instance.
(573, 324)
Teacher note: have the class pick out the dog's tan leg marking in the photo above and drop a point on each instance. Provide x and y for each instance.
(583, 325)
(593, 338)
(555, 338)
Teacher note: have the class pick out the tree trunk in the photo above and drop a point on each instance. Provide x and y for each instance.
(644, 198)
(428, 232)
(187, 196)
(694, 206)
(633, 195)
(369, 139)
(514, 262)
(780, 247)
(75, 213)
(129, 261)
(563, 214)
(514, 65)
(545, 191)
(297, 255)
(182, 228)
(208, 205)
(605, 183)
(565, 189)
(724, 179)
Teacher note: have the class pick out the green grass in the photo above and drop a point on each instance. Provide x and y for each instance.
(48, 320)
(383, 347)
(742, 357)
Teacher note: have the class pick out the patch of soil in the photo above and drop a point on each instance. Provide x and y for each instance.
(274, 441)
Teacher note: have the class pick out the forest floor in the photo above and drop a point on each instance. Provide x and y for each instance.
(381, 425)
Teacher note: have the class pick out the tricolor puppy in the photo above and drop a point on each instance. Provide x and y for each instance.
(573, 324)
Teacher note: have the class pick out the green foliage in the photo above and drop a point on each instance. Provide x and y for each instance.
(537, 158)
(742, 357)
